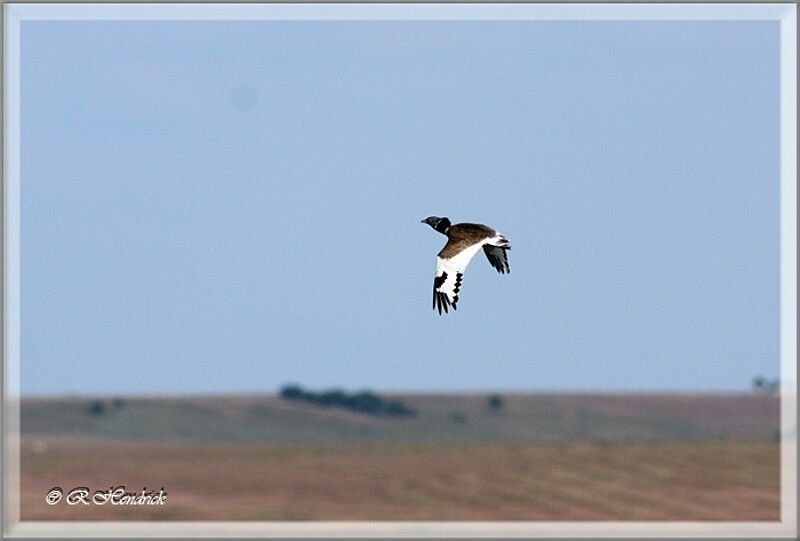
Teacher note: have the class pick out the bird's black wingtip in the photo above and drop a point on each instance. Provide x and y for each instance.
(441, 303)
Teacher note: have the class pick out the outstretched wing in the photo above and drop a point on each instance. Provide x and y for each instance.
(498, 258)
(449, 274)
(445, 288)
(496, 252)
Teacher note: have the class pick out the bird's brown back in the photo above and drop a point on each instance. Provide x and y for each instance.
(462, 235)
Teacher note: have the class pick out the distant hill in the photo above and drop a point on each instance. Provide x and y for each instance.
(438, 417)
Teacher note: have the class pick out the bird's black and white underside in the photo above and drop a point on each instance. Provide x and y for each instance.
(463, 242)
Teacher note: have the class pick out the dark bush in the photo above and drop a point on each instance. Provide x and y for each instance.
(366, 402)
(495, 402)
(363, 402)
(118, 403)
(291, 392)
(308, 396)
(761, 384)
(398, 408)
(333, 398)
(97, 408)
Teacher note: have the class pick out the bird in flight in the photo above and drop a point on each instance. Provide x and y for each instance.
(463, 242)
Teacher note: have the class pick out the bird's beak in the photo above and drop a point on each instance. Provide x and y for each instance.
(422, 221)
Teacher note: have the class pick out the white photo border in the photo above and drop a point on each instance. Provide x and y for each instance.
(784, 13)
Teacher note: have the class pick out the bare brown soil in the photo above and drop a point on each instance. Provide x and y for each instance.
(723, 480)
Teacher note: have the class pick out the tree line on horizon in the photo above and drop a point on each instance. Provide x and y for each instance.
(362, 402)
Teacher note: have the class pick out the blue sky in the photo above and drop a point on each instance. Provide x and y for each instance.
(229, 206)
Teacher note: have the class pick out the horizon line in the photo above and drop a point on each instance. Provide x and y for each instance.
(405, 392)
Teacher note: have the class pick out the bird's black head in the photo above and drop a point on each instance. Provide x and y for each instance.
(439, 224)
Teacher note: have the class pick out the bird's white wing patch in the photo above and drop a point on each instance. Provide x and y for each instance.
(449, 274)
